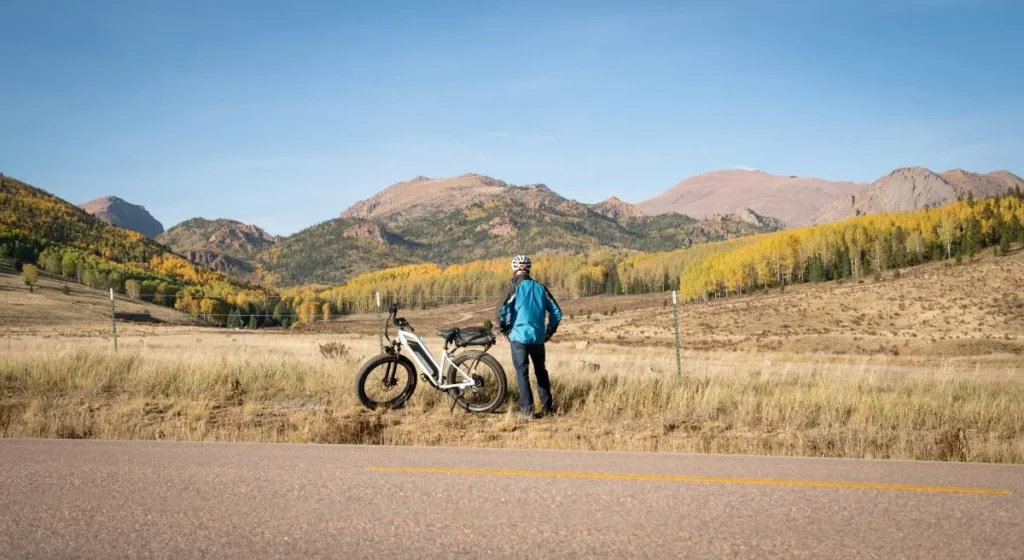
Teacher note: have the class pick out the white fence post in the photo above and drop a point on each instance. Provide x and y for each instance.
(675, 313)
(113, 317)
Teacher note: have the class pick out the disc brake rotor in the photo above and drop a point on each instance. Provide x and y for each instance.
(388, 384)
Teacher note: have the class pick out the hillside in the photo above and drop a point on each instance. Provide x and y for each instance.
(931, 310)
(123, 214)
(227, 246)
(78, 307)
(858, 247)
(36, 218)
(224, 237)
(911, 188)
(64, 240)
(333, 251)
(244, 271)
(793, 200)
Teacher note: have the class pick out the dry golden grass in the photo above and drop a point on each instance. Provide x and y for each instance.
(818, 410)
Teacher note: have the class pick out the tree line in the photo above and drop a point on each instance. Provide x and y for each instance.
(858, 247)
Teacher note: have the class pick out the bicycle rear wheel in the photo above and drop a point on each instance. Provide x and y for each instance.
(386, 381)
(490, 387)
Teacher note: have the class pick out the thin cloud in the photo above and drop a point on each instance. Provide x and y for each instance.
(498, 134)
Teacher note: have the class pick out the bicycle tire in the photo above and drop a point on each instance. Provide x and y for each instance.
(382, 360)
(501, 390)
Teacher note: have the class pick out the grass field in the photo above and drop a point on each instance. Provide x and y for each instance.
(927, 366)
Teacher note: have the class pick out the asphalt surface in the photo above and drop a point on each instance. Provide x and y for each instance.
(98, 499)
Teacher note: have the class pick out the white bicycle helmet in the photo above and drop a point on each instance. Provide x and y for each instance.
(521, 263)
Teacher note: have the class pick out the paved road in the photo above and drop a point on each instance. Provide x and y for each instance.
(93, 499)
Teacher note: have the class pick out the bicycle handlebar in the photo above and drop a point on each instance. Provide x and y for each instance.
(394, 319)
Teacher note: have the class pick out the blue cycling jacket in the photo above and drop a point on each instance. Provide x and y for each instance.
(522, 309)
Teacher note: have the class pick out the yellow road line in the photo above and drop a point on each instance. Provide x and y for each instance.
(705, 479)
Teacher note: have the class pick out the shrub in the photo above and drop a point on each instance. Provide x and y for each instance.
(333, 350)
(29, 273)
(133, 288)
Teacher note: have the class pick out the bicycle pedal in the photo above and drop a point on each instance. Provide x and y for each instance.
(423, 377)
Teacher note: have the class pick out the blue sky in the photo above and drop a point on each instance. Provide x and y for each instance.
(284, 113)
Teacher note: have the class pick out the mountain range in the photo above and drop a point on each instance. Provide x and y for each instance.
(472, 216)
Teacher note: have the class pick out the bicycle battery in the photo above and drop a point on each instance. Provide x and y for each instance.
(423, 355)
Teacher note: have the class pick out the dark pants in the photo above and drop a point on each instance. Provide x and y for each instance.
(521, 353)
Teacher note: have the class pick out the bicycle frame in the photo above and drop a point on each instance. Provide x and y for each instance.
(428, 365)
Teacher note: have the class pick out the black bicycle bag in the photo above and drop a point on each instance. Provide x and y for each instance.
(474, 336)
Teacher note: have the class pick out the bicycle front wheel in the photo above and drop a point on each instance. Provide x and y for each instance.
(490, 385)
(386, 381)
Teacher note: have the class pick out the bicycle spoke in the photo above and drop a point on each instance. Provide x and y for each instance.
(484, 388)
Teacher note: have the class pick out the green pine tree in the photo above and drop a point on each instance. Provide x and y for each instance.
(252, 322)
(972, 238)
(234, 319)
(1015, 229)
(816, 272)
(845, 270)
(998, 230)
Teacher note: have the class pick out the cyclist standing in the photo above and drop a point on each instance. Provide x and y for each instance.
(521, 313)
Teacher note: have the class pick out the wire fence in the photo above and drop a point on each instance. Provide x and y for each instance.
(357, 306)
(375, 302)
(168, 299)
(681, 363)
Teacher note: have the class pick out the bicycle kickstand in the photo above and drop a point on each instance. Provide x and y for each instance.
(455, 400)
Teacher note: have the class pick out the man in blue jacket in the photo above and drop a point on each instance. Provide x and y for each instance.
(521, 314)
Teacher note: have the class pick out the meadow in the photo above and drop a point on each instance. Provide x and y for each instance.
(924, 366)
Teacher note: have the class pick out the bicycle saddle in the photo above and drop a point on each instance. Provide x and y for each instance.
(448, 334)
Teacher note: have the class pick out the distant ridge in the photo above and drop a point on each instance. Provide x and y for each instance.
(911, 188)
(791, 199)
